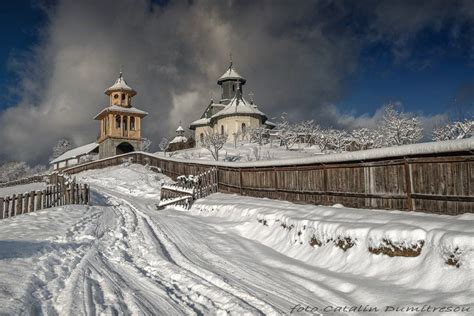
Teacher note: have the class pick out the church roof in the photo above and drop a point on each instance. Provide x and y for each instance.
(231, 74)
(179, 139)
(200, 122)
(180, 129)
(116, 108)
(120, 85)
(238, 105)
(76, 152)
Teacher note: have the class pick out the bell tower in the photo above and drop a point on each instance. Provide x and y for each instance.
(230, 82)
(120, 122)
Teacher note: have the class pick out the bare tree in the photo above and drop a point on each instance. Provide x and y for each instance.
(308, 131)
(164, 143)
(146, 143)
(61, 147)
(399, 128)
(454, 130)
(236, 136)
(214, 142)
(258, 134)
(287, 132)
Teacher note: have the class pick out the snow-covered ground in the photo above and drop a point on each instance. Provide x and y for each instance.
(22, 188)
(227, 255)
(245, 152)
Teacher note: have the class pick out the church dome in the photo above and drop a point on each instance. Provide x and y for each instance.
(120, 85)
(231, 74)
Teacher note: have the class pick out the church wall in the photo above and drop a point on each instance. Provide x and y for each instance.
(197, 134)
(112, 131)
(233, 124)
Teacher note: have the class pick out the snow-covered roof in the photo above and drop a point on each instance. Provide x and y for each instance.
(180, 129)
(270, 123)
(75, 152)
(231, 74)
(117, 108)
(120, 85)
(179, 139)
(201, 121)
(238, 105)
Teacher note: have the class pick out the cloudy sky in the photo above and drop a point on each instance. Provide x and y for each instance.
(335, 61)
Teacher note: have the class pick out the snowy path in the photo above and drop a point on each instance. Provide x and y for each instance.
(121, 256)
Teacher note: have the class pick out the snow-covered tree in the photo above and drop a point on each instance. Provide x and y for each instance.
(454, 130)
(18, 169)
(398, 128)
(61, 147)
(308, 131)
(364, 138)
(164, 143)
(287, 132)
(146, 143)
(214, 142)
(258, 134)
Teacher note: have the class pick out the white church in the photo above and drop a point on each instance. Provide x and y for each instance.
(233, 113)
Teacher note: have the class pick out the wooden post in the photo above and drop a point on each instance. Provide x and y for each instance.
(7, 207)
(408, 184)
(87, 188)
(13, 211)
(38, 200)
(31, 205)
(19, 207)
(43, 199)
(27, 202)
(73, 193)
(2, 209)
(240, 181)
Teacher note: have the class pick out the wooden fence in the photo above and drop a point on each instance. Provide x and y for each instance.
(441, 183)
(60, 193)
(32, 179)
(188, 189)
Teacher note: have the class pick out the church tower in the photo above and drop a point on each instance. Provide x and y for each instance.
(120, 122)
(230, 81)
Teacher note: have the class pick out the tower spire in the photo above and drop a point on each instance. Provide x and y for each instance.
(230, 59)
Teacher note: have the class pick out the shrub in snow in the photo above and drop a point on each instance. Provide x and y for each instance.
(258, 135)
(454, 130)
(286, 132)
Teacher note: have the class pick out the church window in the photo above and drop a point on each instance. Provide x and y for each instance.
(132, 123)
(244, 128)
(118, 121)
(125, 125)
(201, 137)
(222, 129)
(116, 96)
(123, 96)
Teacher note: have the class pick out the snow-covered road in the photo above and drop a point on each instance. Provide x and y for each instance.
(122, 256)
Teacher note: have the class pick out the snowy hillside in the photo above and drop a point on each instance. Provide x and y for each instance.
(246, 152)
(227, 255)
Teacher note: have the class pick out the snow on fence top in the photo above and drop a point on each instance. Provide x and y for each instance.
(462, 145)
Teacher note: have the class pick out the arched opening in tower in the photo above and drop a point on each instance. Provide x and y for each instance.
(124, 148)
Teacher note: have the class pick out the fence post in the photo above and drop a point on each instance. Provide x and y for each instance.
(19, 208)
(2, 209)
(27, 202)
(408, 184)
(38, 200)
(31, 205)
(13, 211)
(7, 206)
(73, 194)
(44, 198)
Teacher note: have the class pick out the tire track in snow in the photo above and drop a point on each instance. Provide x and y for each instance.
(205, 277)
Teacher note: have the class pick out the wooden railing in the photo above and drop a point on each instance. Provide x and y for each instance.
(62, 192)
(438, 181)
(189, 188)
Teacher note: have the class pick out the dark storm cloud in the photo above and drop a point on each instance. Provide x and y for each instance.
(297, 57)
